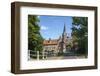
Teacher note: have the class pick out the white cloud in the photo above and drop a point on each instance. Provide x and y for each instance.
(44, 28)
(38, 16)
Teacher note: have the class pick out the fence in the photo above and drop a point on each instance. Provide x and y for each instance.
(37, 55)
(47, 54)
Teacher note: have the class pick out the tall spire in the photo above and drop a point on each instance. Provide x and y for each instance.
(64, 30)
(64, 39)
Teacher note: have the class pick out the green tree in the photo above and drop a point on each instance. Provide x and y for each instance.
(35, 40)
(80, 33)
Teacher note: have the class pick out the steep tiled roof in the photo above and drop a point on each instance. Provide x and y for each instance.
(50, 42)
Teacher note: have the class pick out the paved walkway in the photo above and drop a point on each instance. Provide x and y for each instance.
(62, 57)
(66, 57)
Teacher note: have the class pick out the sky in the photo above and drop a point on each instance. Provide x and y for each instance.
(52, 26)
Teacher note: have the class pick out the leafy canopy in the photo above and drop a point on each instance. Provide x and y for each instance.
(35, 40)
